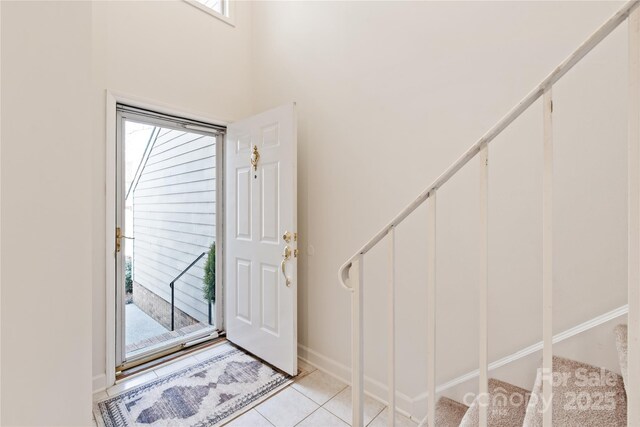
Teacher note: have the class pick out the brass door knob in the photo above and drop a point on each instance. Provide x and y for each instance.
(288, 235)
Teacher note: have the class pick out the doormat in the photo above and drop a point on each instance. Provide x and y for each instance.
(204, 394)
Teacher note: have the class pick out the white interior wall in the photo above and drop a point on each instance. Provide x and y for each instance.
(58, 59)
(391, 93)
(46, 213)
(169, 53)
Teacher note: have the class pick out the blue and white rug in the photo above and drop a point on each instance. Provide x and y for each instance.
(205, 394)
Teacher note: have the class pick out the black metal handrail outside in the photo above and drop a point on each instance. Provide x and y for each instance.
(172, 285)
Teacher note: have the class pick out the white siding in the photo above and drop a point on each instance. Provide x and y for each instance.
(174, 206)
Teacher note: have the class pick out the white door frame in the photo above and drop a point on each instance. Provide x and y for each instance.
(112, 99)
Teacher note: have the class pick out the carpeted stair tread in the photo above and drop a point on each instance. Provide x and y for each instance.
(621, 345)
(507, 406)
(449, 413)
(583, 396)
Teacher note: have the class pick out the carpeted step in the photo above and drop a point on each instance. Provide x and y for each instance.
(621, 345)
(583, 396)
(449, 413)
(507, 406)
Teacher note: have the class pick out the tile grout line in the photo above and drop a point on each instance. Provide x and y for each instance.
(336, 415)
(260, 415)
(312, 412)
(330, 398)
(320, 405)
(246, 413)
(377, 415)
(294, 390)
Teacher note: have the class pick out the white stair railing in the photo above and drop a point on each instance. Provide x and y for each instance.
(352, 271)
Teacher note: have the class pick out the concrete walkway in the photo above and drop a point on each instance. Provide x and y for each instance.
(139, 325)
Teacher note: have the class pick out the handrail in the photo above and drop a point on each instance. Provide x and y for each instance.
(562, 69)
(172, 285)
(353, 271)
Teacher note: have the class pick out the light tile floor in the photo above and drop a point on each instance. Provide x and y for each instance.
(314, 399)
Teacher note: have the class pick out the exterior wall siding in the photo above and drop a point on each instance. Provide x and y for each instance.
(174, 217)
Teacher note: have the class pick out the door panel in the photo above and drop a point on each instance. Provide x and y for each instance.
(269, 298)
(243, 310)
(261, 197)
(269, 204)
(243, 204)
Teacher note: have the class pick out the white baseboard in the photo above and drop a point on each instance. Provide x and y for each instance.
(373, 388)
(416, 407)
(419, 407)
(99, 383)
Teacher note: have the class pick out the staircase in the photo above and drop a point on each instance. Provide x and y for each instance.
(583, 396)
(559, 396)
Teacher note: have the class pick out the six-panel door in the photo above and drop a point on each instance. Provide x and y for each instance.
(260, 295)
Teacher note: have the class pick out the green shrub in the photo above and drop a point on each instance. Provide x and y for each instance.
(209, 288)
(128, 279)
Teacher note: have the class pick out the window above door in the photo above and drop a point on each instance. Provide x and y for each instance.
(220, 9)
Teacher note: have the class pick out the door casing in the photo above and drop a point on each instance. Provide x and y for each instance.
(111, 141)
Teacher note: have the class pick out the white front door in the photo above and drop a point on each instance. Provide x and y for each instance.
(261, 239)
